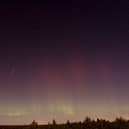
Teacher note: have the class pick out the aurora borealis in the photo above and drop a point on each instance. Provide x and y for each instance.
(63, 61)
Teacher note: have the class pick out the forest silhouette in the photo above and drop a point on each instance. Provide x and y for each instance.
(88, 123)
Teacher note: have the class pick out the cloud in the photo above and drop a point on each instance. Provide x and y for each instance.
(13, 111)
(16, 114)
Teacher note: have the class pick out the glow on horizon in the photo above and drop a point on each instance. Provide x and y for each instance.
(61, 111)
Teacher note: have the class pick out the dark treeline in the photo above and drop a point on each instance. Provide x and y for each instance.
(118, 123)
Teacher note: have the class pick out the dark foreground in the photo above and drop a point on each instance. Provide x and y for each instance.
(119, 123)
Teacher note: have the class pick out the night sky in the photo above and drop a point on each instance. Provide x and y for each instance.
(63, 60)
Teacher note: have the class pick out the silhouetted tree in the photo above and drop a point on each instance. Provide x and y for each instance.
(54, 122)
(68, 122)
(34, 125)
(119, 123)
(87, 122)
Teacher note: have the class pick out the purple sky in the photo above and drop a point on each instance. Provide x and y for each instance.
(63, 61)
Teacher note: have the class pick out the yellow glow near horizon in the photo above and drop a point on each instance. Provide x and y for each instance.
(59, 107)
